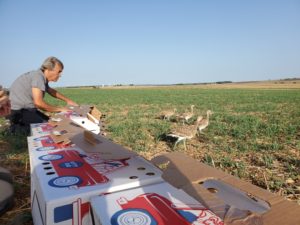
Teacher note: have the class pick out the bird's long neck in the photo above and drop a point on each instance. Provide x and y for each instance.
(195, 128)
(207, 115)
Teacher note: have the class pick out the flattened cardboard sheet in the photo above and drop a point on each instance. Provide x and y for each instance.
(190, 175)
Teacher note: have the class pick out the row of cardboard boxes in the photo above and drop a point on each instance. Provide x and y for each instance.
(90, 180)
(102, 183)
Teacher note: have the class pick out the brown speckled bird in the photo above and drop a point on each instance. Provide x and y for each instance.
(183, 133)
(205, 122)
(187, 115)
(166, 115)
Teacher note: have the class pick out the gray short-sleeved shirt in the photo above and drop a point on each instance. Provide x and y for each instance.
(21, 90)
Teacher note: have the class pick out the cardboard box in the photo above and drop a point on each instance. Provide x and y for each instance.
(85, 116)
(234, 200)
(37, 147)
(37, 144)
(86, 124)
(65, 180)
(91, 112)
(64, 131)
(39, 129)
(81, 110)
(153, 204)
(99, 144)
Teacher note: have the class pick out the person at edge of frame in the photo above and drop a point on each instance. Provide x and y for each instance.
(4, 103)
(27, 95)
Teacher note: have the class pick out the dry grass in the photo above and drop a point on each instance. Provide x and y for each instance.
(15, 159)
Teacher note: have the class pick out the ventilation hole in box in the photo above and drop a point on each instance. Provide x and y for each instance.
(150, 174)
(212, 190)
(133, 177)
(82, 122)
(48, 168)
(45, 163)
(141, 168)
(50, 173)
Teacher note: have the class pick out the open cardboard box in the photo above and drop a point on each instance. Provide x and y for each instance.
(64, 130)
(94, 115)
(91, 112)
(86, 123)
(234, 200)
(91, 143)
(67, 132)
(85, 116)
(81, 110)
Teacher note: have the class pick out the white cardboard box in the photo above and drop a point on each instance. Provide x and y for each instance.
(41, 145)
(158, 204)
(86, 124)
(65, 180)
(39, 129)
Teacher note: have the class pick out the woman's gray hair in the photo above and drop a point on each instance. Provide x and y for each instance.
(50, 63)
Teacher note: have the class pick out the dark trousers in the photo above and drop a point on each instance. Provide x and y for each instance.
(21, 119)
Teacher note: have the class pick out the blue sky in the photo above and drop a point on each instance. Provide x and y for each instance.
(151, 42)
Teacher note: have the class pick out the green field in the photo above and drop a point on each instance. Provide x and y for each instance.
(253, 134)
(243, 120)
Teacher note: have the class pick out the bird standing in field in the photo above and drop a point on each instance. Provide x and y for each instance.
(167, 114)
(187, 115)
(205, 122)
(183, 133)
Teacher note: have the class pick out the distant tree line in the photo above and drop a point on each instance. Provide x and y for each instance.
(223, 82)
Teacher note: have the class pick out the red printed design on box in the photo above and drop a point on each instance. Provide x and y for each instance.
(72, 170)
(43, 127)
(68, 114)
(104, 166)
(78, 170)
(47, 143)
(154, 209)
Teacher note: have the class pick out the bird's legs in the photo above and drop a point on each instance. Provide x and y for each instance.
(184, 144)
(179, 140)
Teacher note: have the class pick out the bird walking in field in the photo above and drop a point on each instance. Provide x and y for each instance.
(205, 122)
(187, 115)
(183, 133)
(167, 114)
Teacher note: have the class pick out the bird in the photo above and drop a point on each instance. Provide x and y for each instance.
(187, 115)
(204, 122)
(183, 133)
(167, 114)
